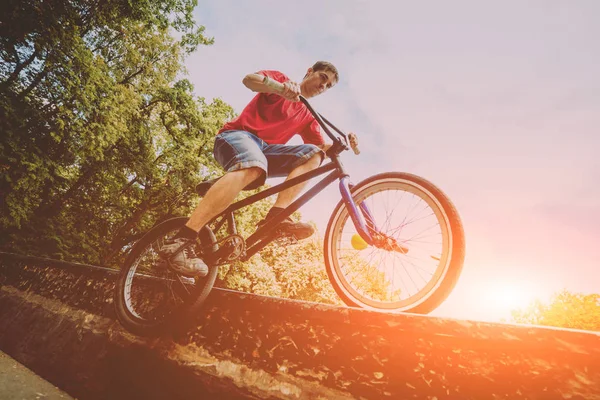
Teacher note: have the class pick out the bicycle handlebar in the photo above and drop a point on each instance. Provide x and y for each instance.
(279, 87)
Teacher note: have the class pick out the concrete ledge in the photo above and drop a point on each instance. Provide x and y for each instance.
(57, 320)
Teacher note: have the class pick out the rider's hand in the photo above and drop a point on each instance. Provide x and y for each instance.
(291, 91)
(353, 142)
(353, 139)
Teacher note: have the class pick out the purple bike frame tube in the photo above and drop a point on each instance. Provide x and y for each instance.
(357, 219)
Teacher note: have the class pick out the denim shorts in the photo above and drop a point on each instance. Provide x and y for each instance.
(236, 150)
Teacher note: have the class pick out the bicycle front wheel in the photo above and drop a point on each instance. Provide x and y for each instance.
(417, 273)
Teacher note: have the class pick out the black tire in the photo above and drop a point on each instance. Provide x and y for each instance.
(449, 263)
(189, 297)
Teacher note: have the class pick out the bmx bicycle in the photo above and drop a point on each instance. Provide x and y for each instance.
(394, 242)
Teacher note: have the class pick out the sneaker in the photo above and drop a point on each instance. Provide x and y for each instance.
(186, 262)
(288, 227)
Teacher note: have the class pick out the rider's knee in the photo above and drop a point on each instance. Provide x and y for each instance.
(253, 173)
(316, 160)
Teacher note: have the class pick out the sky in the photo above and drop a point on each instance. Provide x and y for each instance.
(496, 103)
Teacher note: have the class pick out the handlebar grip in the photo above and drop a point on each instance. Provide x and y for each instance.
(356, 150)
(273, 84)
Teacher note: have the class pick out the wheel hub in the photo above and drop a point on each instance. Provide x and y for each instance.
(388, 243)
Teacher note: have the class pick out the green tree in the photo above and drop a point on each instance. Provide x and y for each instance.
(293, 271)
(101, 135)
(564, 310)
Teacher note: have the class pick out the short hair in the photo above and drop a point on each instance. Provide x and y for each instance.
(326, 66)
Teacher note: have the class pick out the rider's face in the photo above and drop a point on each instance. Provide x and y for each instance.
(316, 82)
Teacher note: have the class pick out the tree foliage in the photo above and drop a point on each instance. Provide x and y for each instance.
(288, 271)
(100, 135)
(564, 310)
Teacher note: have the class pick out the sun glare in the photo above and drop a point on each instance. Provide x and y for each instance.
(502, 297)
(507, 297)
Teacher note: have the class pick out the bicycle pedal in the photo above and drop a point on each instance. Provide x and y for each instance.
(287, 240)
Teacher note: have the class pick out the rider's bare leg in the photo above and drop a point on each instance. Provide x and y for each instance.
(221, 195)
(286, 197)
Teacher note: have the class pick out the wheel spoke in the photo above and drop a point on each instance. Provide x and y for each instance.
(150, 292)
(375, 277)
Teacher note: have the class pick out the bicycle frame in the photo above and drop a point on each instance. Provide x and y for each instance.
(363, 220)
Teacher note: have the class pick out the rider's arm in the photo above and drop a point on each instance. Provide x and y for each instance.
(255, 82)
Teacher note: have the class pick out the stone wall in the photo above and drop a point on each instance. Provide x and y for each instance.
(58, 320)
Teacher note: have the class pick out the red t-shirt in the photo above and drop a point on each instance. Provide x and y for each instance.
(275, 119)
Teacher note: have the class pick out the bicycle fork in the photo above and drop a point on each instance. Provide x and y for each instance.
(364, 222)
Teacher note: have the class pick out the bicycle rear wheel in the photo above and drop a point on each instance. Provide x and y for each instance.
(426, 227)
(149, 296)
